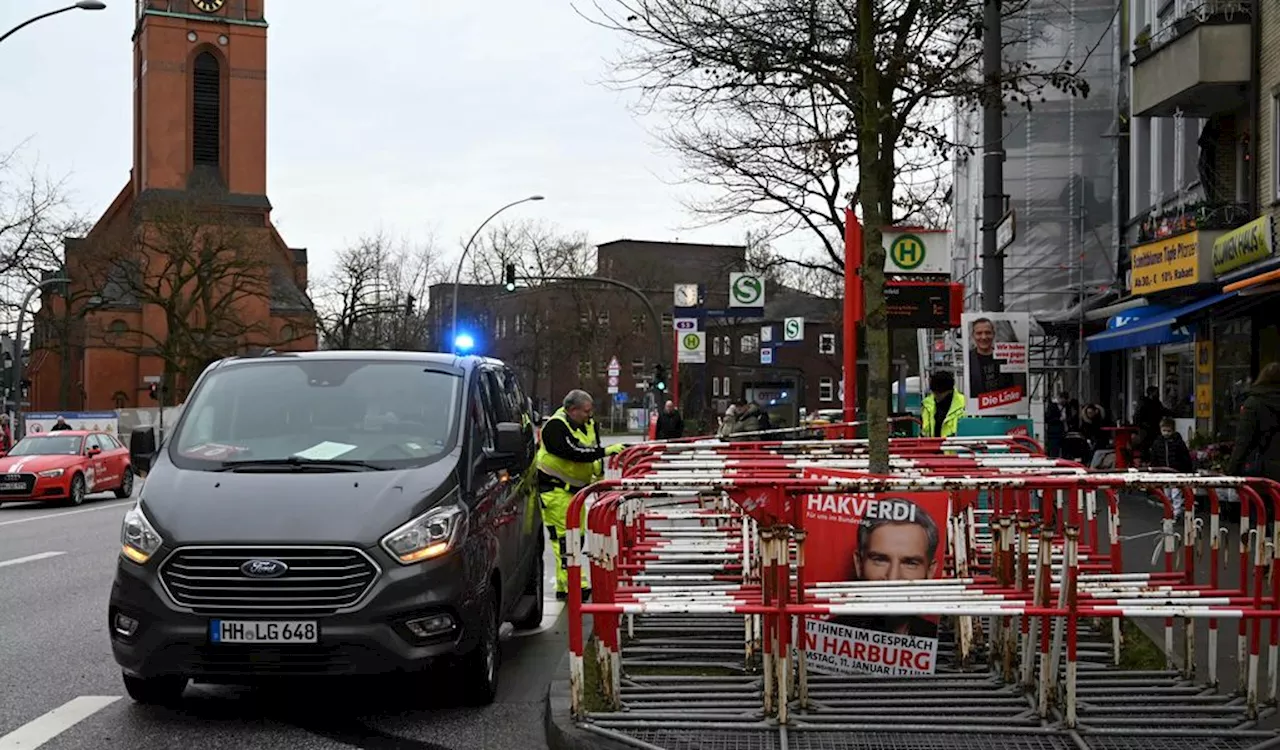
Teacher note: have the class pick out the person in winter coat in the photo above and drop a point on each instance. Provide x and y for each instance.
(1257, 452)
(1147, 419)
(670, 423)
(748, 417)
(1055, 425)
(1170, 451)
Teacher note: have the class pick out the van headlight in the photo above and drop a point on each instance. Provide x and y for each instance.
(428, 536)
(138, 538)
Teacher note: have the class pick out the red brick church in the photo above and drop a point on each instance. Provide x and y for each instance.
(199, 143)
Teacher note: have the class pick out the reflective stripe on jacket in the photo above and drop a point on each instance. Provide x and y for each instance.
(575, 473)
(950, 423)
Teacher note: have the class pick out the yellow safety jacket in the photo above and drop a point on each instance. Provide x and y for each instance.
(950, 422)
(576, 473)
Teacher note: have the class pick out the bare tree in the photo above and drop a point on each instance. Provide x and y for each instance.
(794, 94)
(192, 281)
(539, 251)
(35, 216)
(375, 298)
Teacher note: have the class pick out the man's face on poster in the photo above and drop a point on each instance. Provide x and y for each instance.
(896, 552)
(984, 336)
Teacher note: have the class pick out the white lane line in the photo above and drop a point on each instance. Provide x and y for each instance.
(41, 730)
(108, 506)
(29, 558)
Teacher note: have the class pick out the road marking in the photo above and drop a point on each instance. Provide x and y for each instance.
(108, 506)
(29, 558)
(1143, 535)
(41, 730)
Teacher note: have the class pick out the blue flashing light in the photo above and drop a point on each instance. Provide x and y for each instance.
(463, 342)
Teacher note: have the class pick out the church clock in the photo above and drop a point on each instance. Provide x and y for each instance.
(208, 6)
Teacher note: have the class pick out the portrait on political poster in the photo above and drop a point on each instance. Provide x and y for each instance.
(873, 538)
(995, 364)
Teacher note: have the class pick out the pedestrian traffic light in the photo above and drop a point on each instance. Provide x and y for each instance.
(154, 391)
(659, 378)
(408, 305)
(511, 277)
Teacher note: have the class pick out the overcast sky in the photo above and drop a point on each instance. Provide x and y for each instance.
(418, 117)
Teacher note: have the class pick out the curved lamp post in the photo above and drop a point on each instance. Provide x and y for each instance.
(457, 279)
(82, 5)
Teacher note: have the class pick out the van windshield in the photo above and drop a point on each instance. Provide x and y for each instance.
(390, 415)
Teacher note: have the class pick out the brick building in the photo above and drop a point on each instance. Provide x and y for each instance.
(199, 142)
(562, 335)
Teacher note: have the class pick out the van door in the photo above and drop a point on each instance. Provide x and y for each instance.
(506, 514)
(485, 488)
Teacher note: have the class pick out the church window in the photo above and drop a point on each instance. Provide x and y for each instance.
(206, 115)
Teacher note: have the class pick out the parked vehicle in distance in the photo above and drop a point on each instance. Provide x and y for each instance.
(65, 466)
(332, 513)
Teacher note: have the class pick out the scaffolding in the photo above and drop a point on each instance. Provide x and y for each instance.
(1061, 180)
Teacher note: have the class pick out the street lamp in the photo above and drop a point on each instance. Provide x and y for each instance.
(82, 5)
(457, 279)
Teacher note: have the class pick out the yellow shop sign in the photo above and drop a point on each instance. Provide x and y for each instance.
(1166, 264)
(1242, 246)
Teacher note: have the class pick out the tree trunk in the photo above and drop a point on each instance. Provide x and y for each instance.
(875, 191)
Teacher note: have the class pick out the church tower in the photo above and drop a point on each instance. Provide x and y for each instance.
(200, 97)
(199, 134)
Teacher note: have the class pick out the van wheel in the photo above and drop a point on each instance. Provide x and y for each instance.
(537, 589)
(480, 666)
(126, 484)
(155, 691)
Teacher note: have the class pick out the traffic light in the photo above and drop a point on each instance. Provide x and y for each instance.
(659, 378)
(511, 277)
(154, 391)
(408, 305)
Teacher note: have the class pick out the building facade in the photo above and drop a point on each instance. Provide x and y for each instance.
(193, 221)
(1202, 198)
(564, 335)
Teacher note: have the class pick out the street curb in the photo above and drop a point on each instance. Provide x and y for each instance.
(562, 732)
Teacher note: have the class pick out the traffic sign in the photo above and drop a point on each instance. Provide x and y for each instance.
(1006, 231)
(766, 334)
(683, 325)
(917, 252)
(613, 383)
(622, 397)
(793, 329)
(692, 347)
(766, 355)
(746, 290)
(615, 369)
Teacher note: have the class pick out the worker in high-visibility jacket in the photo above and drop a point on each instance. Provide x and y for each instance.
(569, 458)
(943, 399)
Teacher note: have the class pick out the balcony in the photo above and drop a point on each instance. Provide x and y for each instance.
(1202, 216)
(1200, 64)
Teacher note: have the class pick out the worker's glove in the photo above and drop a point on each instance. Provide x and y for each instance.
(615, 449)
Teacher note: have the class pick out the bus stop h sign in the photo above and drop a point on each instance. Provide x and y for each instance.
(917, 252)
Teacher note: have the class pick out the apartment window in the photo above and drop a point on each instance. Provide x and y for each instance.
(584, 316)
(1140, 139)
(826, 389)
(715, 346)
(604, 366)
(749, 343)
(584, 368)
(724, 387)
(637, 368)
(504, 328)
(715, 386)
(602, 318)
(544, 365)
(1275, 144)
(726, 345)
(826, 343)
(637, 323)
(497, 328)
(519, 324)
(666, 321)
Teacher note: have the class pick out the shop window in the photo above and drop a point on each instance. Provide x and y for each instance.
(826, 389)
(1177, 380)
(1232, 374)
(637, 323)
(827, 343)
(715, 346)
(724, 387)
(666, 321)
(715, 383)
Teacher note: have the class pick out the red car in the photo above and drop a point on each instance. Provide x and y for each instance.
(66, 466)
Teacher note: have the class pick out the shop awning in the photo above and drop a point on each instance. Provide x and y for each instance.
(1161, 328)
(1257, 284)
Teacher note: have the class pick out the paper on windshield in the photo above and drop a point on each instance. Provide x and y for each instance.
(324, 451)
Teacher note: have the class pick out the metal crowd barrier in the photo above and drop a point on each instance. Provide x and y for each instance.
(715, 528)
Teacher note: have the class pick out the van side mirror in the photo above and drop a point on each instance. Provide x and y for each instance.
(142, 448)
(509, 447)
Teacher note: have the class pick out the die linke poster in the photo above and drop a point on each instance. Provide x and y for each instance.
(873, 538)
(995, 364)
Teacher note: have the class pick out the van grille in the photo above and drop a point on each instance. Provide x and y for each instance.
(319, 580)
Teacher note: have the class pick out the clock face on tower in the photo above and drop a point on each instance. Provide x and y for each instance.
(208, 6)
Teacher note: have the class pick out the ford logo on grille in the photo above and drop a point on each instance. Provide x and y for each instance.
(264, 568)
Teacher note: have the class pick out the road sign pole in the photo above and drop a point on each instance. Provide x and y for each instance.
(675, 367)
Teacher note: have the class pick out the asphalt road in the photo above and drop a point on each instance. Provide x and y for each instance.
(60, 688)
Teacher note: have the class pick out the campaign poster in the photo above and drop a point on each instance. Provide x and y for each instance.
(37, 423)
(873, 537)
(995, 364)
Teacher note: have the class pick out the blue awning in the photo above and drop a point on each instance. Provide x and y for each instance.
(1163, 328)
